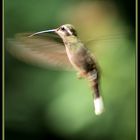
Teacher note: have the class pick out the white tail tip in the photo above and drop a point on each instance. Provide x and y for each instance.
(99, 106)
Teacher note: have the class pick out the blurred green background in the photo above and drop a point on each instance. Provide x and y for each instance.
(45, 104)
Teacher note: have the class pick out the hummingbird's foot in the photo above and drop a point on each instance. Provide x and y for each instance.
(81, 75)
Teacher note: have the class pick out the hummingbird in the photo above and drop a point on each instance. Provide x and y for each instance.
(79, 57)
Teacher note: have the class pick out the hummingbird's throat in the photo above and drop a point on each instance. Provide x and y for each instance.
(70, 39)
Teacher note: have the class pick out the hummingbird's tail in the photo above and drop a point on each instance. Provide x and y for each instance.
(98, 101)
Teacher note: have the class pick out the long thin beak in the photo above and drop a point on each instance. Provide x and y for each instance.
(41, 32)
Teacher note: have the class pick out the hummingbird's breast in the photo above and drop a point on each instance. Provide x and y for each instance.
(79, 57)
(72, 57)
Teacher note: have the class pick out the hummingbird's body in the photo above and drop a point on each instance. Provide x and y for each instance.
(80, 57)
(82, 60)
(76, 52)
(84, 63)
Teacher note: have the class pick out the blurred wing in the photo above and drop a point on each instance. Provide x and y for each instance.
(105, 38)
(39, 50)
(105, 47)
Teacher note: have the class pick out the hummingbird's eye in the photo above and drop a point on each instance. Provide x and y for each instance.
(62, 28)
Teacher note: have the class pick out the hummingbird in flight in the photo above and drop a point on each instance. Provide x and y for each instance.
(71, 49)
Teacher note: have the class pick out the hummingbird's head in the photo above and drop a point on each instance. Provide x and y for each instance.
(66, 31)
